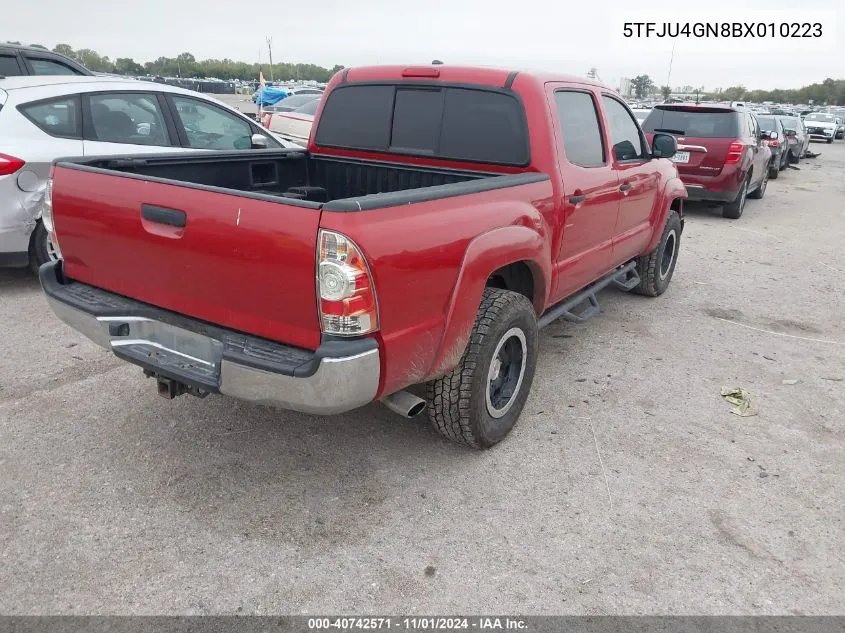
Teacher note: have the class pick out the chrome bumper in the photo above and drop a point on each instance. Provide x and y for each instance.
(338, 384)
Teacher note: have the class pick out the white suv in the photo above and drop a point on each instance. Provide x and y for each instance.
(44, 118)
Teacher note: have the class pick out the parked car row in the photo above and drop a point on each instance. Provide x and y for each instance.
(726, 153)
(44, 118)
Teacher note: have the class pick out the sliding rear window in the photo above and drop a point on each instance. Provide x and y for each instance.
(455, 123)
(698, 123)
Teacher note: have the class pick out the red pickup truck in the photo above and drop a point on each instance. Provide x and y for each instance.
(438, 218)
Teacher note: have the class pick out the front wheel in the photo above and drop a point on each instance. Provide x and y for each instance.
(479, 402)
(656, 268)
(829, 141)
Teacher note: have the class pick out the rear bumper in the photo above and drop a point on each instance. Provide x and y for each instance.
(699, 193)
(339, 376)
(721, 187)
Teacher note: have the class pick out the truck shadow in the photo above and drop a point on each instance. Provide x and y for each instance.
(266, 474)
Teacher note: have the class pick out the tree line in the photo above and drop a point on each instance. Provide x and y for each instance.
(828, 92)
(186, 65)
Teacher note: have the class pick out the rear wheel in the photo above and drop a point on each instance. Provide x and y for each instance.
(41, 248)
(760, 191)
(774, 171)
(734, 209)
(479, 402)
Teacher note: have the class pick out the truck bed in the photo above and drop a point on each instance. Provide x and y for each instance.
(230, 238)
(290, 174)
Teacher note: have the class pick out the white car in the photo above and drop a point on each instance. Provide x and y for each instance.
(821, 126)
(47, 117)
(294, 126)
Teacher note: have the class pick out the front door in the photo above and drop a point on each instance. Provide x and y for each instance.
(638, 181)
(589, 193)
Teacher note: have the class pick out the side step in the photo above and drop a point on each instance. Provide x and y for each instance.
(624, 278)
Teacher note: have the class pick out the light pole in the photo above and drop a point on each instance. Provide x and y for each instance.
(270, 50)
(671, 58)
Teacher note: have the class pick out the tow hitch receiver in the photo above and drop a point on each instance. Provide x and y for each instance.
(169, 388)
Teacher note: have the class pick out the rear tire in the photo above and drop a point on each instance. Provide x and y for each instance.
(774, 172)
(41, 249)
(479, 402)
(760, 191)
(657, 267)
(734, 209)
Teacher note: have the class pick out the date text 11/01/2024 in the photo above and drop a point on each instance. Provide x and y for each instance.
(722, 29)
(417, 623)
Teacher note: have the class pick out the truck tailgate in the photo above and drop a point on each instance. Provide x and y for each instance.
(241, 262)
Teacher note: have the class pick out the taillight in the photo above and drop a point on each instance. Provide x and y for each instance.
(735, 151)
(266, 121)
(773, 142)
(47, 207)
(347, 297)
(10, 164)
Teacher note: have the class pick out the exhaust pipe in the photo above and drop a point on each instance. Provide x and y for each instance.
(404, 403)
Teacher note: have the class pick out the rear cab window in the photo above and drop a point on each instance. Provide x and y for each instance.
(481, 125)
(57, 117)
(697, 122)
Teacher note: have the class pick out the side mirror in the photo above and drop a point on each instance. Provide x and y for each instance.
(790, 132)
(773, 135)
(259, 141)
(663, 146)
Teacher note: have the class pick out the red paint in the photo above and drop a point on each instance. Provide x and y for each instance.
(235, 264)
(430, 261)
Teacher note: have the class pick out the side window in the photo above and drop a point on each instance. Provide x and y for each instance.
(57, 117)
(210, 127)
(50, 67)
(9, 66)
(133, 119)
(579, 124)
(624, 132)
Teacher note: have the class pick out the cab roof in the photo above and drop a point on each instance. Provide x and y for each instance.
(493, 77)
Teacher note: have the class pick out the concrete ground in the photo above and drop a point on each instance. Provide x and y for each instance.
(627, 486)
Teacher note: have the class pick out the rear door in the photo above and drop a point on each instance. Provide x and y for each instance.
(589, 191)
(704, 135)
(127, 123)
(638, 180)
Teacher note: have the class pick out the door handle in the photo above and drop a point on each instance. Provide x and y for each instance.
(162, 215)
(575, 199)
(625, 186)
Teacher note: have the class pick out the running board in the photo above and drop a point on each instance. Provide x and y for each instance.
(625, 278)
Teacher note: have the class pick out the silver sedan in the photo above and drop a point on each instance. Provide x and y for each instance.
(44, 118)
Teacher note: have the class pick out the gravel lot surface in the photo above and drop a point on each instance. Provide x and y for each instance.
(627, 486)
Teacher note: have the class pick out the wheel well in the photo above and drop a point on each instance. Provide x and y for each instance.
(516, 277)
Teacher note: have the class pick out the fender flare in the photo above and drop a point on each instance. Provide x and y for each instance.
(485, 254)
(672, 190)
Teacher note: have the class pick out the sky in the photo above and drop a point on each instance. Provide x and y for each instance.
(555, 35)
